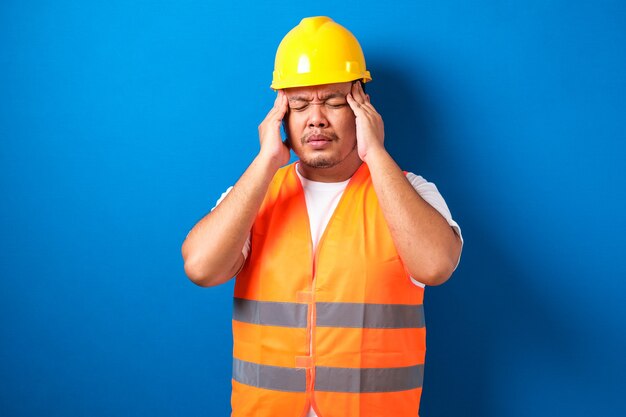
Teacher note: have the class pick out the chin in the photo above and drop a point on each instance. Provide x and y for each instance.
(319, 162)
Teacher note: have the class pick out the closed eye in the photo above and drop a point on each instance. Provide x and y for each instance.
(298, 106)
(337, 105)
(301, 105)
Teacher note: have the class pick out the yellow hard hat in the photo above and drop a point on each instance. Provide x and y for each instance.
(318, 51)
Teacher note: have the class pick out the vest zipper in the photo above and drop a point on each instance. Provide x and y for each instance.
(311, 317)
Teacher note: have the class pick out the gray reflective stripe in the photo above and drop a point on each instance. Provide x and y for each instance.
(368, 379)
(269, 377)
(270, 313)
(373, 316)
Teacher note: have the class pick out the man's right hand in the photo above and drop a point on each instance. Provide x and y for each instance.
(272, 146)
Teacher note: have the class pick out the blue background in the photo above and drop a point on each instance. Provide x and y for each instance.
(122, 122)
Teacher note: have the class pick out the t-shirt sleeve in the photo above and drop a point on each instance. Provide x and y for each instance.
(429, 192)
(246, 246)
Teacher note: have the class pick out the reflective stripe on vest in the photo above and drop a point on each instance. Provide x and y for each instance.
(351, 380)
(370, 316)
(270, 313)
(269, 377)
(357, 315)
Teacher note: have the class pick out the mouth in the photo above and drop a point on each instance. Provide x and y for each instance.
(318, 141)
(318, 138)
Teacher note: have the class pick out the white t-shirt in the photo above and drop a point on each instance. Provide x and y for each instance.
(322, 199)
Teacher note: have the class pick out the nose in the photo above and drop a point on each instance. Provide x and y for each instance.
(317, 116)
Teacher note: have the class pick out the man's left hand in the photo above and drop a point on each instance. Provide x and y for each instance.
(370, 130)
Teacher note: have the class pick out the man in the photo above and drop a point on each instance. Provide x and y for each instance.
(337, 248)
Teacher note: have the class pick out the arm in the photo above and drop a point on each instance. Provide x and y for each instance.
(212, 249)
(425, 242)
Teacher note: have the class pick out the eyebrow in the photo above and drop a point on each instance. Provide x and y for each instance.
(323, 98)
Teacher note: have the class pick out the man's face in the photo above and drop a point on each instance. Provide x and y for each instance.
(320, 125)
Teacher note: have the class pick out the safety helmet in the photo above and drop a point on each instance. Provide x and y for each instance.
(318, 51)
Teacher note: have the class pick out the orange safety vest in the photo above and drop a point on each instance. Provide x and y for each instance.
(340, 329)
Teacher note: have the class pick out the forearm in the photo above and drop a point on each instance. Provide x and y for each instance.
(425, 242)
(212, 249)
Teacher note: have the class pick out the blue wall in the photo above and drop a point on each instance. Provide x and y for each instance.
(122, 122)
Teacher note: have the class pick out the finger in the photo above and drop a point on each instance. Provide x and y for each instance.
(283, 105)
(366, 97)
(364, 109)
(280, 107)
(355, 91)
(279, 95)
(354, 105)
(366, 104)
(358, 94)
